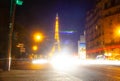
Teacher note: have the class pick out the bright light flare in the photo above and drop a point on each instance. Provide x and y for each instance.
(35, 48)
(38, 37)
(39, 61)
(63, 62)
(101, 62)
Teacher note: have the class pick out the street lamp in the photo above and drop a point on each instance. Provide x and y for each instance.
(38, 37)
(35, 48)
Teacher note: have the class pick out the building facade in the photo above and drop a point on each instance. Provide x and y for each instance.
(82, 48)
(103, 30)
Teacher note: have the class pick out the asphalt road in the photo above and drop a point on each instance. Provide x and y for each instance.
(45, 72)
(96, 73)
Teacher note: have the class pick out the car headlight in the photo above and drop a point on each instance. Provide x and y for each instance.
(39, 61)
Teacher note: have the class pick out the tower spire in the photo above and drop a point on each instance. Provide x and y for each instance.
(56, 14)
(56, 46)
(57, 39)
(57, 28)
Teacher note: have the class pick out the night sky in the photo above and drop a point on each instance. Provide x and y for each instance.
(40, 14)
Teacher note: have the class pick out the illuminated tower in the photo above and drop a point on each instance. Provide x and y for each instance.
(57, 39)
(56, 47)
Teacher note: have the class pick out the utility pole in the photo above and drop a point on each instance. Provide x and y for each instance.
(11, 26)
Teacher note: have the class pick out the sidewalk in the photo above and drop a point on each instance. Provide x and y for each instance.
(35, 75)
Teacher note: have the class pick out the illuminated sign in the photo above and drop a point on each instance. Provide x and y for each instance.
(82, 45)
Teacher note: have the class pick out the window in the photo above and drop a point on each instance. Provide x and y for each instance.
(105, 6)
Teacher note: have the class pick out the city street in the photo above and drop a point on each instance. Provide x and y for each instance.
(60, 40)
(44, 72)
(97, 73)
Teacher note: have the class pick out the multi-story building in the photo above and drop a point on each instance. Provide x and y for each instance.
(82, 48)
(103, 29)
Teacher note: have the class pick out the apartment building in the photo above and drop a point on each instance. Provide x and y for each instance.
(103, 30)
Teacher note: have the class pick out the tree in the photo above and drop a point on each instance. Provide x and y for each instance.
(20, 36)
(4, 26)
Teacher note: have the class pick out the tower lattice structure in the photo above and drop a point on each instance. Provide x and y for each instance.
(56, 46)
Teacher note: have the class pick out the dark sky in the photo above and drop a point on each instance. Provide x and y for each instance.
(41, 14)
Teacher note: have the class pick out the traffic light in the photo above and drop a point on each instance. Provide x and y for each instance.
(19, 2)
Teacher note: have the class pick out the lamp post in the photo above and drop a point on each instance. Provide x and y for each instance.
(11, 25)
(37, 38)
